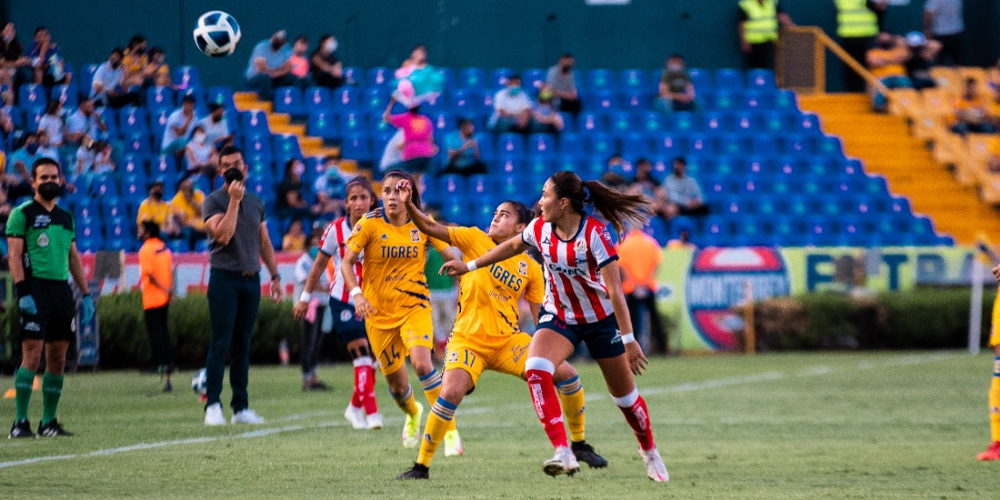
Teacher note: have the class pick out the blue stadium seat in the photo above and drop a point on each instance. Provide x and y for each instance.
(257, 144)
(289, 100)
(786, 100)
(809, 124)
(510, 146)
(160, 98)
(762, 79)
(728, 79)
(625, 170)
(635, 99)
(357, 147)
(66, 94)
(684, 122)
(621, 122)
(31, 118)
(472, 79)
(533, 79)
(286, 146)
(316, 98)
(604, 100)
(499, 76)
(32, 95)
(352, 122)
(254, 121)
(719, 122)
(187, 76)
(379, 77)
(220, 95)
(831, 146)
(601, 145)
(652, 122)
(465, 102)
(374, 99)
(85, 79)
(599, 80)
(671, 145)
(637, 79)
(133, 120)
(589, 122)
(542, 146)
(443, 122)
(346, 98)
(700, 78)
(136, 143)
(570, 144)
(636, 145)
(322, 124)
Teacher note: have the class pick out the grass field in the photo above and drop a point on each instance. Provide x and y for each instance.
(900, 425)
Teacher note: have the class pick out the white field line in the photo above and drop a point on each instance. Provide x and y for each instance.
(818, 370)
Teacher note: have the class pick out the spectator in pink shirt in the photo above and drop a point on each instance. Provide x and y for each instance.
(418, 137)
(300, 65)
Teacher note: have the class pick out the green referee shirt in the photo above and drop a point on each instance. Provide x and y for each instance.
(48, 237)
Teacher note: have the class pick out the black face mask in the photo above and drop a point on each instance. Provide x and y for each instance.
(49, 190)
(885, 45)
(116, 65)
(157, 195)
(232, 174)
(277, 45)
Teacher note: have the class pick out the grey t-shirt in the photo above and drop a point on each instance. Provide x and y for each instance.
(242, 254)
(559, 81)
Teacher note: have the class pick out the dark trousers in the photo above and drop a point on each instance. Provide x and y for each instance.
(951, 49)
(572, 106)
(857, 48)
(698, 210)
(636, 303)
(761, 56)
(264, 85)
(159, 338)
(233, 300)
(476, 168)
(312, 341)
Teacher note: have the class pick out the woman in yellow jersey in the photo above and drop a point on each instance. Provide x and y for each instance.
(486, 334)
(993, 451)
(394, 302)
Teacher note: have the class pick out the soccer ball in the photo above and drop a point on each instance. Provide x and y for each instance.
(216, 34)
(199, 383)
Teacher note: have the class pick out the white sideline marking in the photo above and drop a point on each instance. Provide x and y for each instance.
(818, 370)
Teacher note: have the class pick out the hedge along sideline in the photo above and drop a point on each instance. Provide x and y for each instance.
(191, 273)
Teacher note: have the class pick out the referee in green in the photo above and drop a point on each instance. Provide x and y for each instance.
(235, 221)
(41, 237)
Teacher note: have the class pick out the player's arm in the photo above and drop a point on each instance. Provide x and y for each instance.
(15, 248)
(361, 305)
(535, 308)
(613, 281)
(425, 224)
(76, 269)
(312, 280)
(267, 255)
(504, 251)
(221, 227)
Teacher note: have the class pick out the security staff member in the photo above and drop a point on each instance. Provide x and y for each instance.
(857, 25)
(758, 30)
(234, 219)
(41, 237)
(156, 276)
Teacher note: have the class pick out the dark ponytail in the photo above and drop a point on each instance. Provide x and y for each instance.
(620, 209)
(413, 185)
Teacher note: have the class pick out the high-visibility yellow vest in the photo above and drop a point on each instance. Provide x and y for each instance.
(762, 23)
(855, 19)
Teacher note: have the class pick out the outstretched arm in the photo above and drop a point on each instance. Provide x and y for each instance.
(504, 251)
(315, 274)
(613, 281)
(424, 223)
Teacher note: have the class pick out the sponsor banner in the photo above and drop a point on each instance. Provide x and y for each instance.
(700, 287)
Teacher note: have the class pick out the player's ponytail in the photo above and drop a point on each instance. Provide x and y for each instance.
(620, 209)
(399, 174)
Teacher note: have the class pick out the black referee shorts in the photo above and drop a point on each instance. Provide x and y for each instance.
(56, 311)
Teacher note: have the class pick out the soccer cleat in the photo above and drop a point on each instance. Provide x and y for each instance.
(314, 385)
(416, 472)
(586, 454)
(247, 416)
(168, 387)
(411, 429)
(452, 444)
(562, 463)
(21, 429)
(356, 416)
(375, 421)
(991, 453)
(213, 415)
(655, 468)
(52, 429)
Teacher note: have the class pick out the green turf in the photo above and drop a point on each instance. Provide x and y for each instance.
(901, 425)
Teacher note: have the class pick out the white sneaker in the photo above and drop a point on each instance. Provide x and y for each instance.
(655, 468)
(375, 421)
(411, 429)
(562, 463)
(213, 415)
(356, 416)
(247, 416)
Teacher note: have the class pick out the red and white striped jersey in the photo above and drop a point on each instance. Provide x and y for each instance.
(333, 244)
(574, 288)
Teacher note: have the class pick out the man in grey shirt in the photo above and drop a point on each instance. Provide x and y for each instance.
(943, 22)
(683, 193)
(562, 81)
(234, 220)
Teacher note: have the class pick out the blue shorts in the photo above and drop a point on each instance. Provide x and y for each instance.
(603, 338)
(345, 322)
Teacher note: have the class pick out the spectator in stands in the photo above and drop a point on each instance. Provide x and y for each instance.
(328, 186)
(544, 115)
(155, 209)
(857, 25)
(15, 66)
(463, 150)
(993, 80)
(52, 123)
(561, 79)
(134, 62)
(418, 137)
(107, 88)
(23, 157)
(49, 66)
(216, 127)
(994, 158)
(185, 210)
(295, 239)
(291, 203)
(84, 123)
(757, 30)
(511, 108)
(300, 65)
(6, 121)
(639, 258)
(887, 60)
(179, 126)
(676, 92)
(645, 184)
(426, 79)
(612, 176)
(325, 67)
(923, 53)
(682, 227)
(972, 111)
(683, 192)
(156, 71)
(270, 66)
(201, 155)
(943, 22)
(93, 161)
(45, 147)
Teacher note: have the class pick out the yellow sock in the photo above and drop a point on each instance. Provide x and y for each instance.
(442, 416)
(571, 398)
(407, 402)
(432, 390)
(995, 401)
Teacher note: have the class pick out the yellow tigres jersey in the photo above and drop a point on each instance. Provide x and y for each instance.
(395, 283)
(488, 297)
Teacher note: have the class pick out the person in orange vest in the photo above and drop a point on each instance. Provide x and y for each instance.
(156, 278)
(639, 257)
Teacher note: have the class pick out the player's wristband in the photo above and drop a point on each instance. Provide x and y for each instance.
(275, 277)
(305, 296)
(471, 265)
(628, 338)
(22, 288)
(356, 291)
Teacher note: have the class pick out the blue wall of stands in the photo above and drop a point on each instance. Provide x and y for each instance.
(459, 33)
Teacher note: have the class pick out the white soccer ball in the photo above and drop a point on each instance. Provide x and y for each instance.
(217, 33)
(199, 383)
